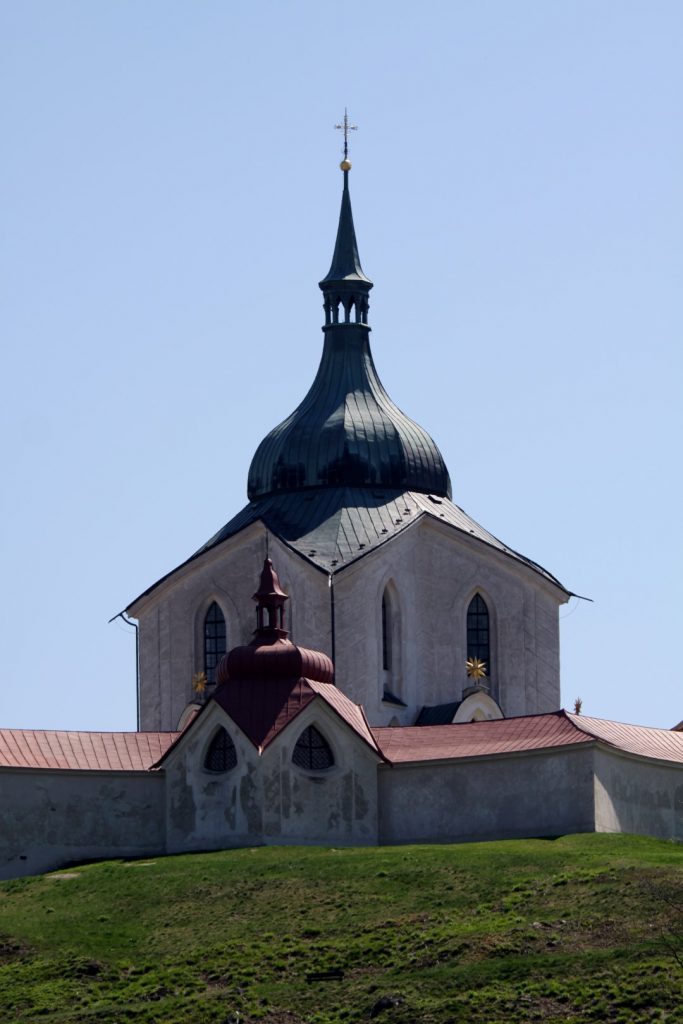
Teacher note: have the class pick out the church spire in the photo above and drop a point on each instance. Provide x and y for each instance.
(345, 260)
(345, 287)
(347, 432)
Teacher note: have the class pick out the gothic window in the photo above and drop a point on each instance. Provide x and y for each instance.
(214, 641)
(312, 751)
(386, 632)
(478, 633)
(221, 755)
(391, 681)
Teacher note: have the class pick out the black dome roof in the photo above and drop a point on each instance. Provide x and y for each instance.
(347, 432)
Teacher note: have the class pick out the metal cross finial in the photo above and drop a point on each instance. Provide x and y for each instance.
(346, 128)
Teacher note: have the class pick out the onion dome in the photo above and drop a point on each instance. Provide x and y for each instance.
(347, 432)
(271, 656)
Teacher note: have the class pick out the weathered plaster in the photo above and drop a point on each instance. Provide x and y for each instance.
(269, 798)
(638, 796)
(51, 818)
(503, 797)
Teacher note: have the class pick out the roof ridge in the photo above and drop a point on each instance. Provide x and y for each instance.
(613, 721)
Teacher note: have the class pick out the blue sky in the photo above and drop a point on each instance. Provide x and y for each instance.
(170, 191)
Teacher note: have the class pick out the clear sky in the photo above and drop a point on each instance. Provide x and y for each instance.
(169, 191)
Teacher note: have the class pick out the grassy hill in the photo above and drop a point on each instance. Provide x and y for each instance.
(583, 928)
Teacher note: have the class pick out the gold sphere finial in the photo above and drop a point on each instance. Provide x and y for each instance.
(346, 128)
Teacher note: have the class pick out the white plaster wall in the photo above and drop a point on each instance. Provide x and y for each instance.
(504, 797)
(171, 620)
(638, 796)
(434, 572)
(52, 818)
(266, 798)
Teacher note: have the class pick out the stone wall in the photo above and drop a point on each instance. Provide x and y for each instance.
(52, 818)
(504, 797)
(633, 795)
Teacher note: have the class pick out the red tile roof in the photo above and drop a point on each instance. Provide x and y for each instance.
(353, 714)
(140, 751)
(402, 744)
(89, 751)
(530, 732)
(661, 744)
(262, 708)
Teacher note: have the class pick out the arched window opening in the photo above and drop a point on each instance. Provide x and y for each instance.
(386, 632)
(478, 633)
(221, 755)
(215, 641)
(312, 751)
(391, 653)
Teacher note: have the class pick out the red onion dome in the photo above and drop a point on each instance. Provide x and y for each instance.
(278, 660)
(270, 655)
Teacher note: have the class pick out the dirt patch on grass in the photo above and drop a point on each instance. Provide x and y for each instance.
(543, 1008)
(11, 949)
(281, 1017)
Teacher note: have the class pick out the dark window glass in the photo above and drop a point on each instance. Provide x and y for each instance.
(478, 631)
(221, 755)
(214, 641)
(386, 626)
(312, 751)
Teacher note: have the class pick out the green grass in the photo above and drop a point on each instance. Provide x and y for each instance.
(584, 928)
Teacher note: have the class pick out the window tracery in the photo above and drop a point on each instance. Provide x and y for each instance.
(478, 631)
(312, 751)
(221, 755)
(215, 641)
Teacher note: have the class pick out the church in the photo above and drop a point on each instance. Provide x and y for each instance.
(401, 684)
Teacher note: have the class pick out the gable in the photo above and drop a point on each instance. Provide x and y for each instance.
(331, 528)
(262, 710)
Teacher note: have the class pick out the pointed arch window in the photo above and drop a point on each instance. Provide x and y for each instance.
(478, 631)
(386, 632)
(215, 641)
(221, 755)
(390, 653)
(312, 751)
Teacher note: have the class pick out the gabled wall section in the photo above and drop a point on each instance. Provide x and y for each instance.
(266, 798)
(171, 649)
(435, 571)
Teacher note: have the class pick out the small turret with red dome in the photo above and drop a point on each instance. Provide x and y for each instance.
(271, 655)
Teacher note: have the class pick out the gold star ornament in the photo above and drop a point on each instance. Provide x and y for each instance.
(199, 682)
(476, 668)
